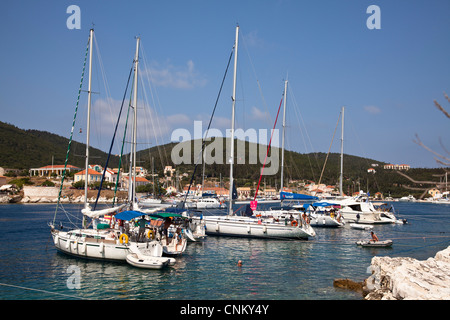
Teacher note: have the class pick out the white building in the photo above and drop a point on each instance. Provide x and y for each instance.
(93, 176)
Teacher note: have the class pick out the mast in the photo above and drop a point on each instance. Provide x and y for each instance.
(233, 98)
(342, 154)
(282, 137)
(132, 183)
(86, 176)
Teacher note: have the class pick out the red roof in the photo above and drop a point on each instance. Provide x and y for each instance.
(90, 172)
(140, 179)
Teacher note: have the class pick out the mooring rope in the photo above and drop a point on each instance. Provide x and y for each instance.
(40, 290)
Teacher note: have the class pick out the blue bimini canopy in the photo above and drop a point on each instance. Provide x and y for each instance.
(324, 204)
(128, 215)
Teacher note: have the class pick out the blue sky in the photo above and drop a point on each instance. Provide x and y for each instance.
(387, 79)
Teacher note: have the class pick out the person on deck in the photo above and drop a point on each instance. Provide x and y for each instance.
(141, 224)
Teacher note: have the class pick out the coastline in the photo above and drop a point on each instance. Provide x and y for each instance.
(50, 195)
(404, 278)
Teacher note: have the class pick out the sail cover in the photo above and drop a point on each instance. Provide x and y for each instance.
(296, 196)
(98, 213)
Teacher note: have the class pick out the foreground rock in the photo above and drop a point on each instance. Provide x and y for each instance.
(408, 278)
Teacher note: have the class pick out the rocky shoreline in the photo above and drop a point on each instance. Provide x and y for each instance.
(405, 279)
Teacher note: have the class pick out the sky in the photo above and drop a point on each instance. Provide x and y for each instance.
(386, 78)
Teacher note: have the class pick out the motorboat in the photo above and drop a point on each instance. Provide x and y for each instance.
(375, 244)
(408, 198)
(209, 203)
(360, 226)
(360, 210)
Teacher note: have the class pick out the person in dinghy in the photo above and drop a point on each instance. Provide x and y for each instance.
(374, 237)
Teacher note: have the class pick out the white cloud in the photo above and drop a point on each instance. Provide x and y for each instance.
(180, 77)
(253, 40)
(179, 119)
(372, 109)
(260, 115)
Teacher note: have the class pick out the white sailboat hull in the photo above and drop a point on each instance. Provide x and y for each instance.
(89, 248)
(316, 219)
(92, 248)
(251, 228)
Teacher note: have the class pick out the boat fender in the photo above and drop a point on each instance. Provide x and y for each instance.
(150, 234)
(123, 238)
(294, 223)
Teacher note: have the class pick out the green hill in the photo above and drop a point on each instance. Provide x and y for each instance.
(25, 149)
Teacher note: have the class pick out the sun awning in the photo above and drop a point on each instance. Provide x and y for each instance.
(128, 215)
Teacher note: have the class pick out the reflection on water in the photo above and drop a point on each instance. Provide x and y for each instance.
(272, 269)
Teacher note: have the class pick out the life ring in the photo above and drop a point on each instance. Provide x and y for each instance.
(150, 234)
(294, 223)
(123, 238)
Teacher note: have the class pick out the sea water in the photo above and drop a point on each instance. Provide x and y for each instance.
(31, 268)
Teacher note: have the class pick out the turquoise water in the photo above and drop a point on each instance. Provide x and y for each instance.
(31, 268)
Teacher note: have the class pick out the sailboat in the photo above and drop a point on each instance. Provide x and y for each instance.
(100, 241)
(251, 226)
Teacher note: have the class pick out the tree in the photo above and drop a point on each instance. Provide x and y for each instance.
(47, 183)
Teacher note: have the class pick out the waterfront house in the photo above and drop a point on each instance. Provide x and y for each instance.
(140, 181)
(96, 167)
(93, 176)
(397, 166)
(110, 176)
(435, 192)
(243, 192)
(57, 169)
(270, 192)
